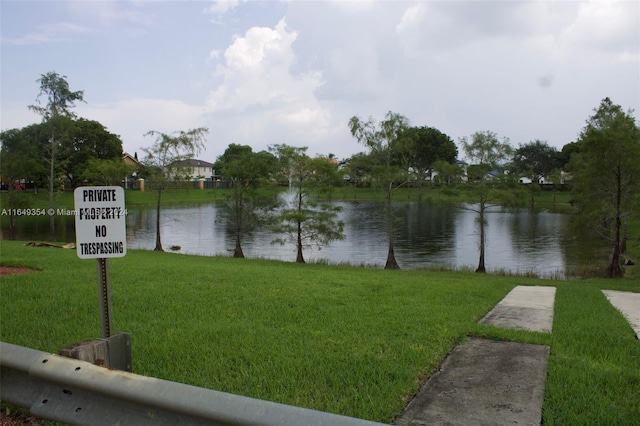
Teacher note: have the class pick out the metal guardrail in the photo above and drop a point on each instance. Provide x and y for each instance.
(77, 392)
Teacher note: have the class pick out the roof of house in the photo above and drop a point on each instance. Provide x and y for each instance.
(192, 162)
(129, 159)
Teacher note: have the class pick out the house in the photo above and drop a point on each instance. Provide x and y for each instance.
(194, 169)
(130, 160)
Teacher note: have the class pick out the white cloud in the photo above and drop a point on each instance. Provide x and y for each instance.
(609, 28)
(219, 8)
(261, 99)
(50, 33)
(110, 13)
(257, 72)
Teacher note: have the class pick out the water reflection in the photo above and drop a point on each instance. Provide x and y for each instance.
(518, 240)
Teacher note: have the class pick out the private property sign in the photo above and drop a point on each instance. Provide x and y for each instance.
(100, 222)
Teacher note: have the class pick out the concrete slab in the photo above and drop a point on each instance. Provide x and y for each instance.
(524, 308)
(628, 304)
(483, 382)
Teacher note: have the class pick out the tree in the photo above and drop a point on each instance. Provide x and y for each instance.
(606, 174)
(245, 170)
(60, 100)
(169, 149)
(385, 147)
(536, 160)
(106, 172)
(17, 162)
(567, 152)
(358, 169)
(486, 153)
(87, 140)
(306, 222)
(425, 146)
(447, 171)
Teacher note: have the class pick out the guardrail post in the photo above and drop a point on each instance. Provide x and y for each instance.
(113, 352)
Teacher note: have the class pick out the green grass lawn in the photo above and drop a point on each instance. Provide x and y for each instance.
(437, 194)
(353, 341)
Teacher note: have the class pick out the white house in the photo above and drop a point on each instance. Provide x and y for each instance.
(195, 169)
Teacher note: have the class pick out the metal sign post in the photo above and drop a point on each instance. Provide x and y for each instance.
(104, 297)
(101, 234)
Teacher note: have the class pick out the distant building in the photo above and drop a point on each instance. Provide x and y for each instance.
(130, 160)
(194, 169)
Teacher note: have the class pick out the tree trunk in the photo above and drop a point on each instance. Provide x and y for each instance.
(391, 263)
(481, 268)
(299, 256)
(52, 222)
(158, 241)
(10, 198)
(625, 237)
(239, 215)
(238, 251)
(614, 270)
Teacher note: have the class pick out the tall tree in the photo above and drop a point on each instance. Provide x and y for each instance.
(86, 140)
(606, 174)
(305, 221)
(245, 170)
(486, 153)
(536, 160)
(167, 150)
(425, 146)
(60, 100)
(385, 144)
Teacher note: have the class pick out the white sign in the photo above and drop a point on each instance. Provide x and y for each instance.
(100, 222)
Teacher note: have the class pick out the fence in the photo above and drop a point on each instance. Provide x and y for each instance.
(77, 392)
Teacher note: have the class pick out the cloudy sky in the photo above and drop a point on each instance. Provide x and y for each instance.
(294, 72)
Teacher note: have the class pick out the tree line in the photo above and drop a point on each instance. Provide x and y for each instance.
(603, 165)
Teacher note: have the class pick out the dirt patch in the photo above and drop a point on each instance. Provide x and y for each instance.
(15, 416)
(10, 270)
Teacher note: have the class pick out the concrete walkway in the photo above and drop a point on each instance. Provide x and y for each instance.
(488, 382)
(628, 304)
(483, 382)
(524, 308)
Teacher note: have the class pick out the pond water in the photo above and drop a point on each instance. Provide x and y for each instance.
(518, 240)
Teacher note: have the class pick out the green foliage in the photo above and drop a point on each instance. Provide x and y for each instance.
(306, 221)
(245, 171)
(106, 172)
(448, 172)
(86, 140)
(352, 341)
(60, 98)
(487, 154)
(169, 149)
(424, 146)
(18, 155)
(389, 164)
(359, 169)
(606, 174)
(536, 160)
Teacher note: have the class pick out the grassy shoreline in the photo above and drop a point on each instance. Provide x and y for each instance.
(352, 341)
(559, 201)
